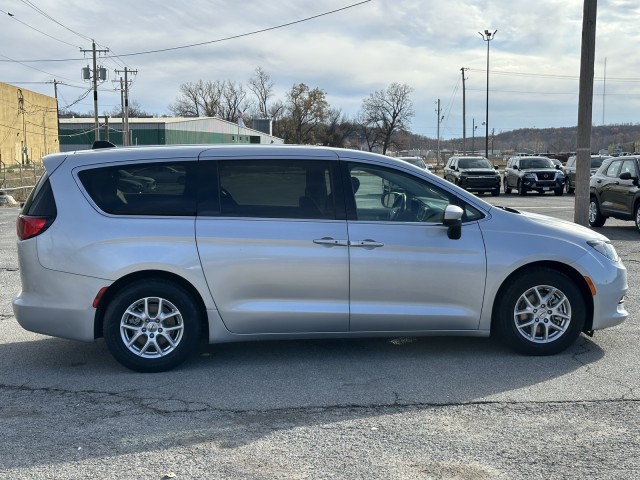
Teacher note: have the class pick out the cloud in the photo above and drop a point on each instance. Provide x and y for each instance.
(534, 59)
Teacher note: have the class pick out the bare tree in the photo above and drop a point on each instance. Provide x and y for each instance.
(388, 111)
(336, 129)
(307, 109)
(233, 101)
(262, 87)
(201, 99)
(135, 111)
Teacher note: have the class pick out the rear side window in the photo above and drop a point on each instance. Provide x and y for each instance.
(168, 188)
(41, 202)
(39, 211)
(276, 189)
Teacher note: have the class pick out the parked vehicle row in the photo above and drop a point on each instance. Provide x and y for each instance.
(254, 242)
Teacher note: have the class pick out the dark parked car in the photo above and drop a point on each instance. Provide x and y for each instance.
(533, 173)
(475, 174)
(570, 170)
(615, 192)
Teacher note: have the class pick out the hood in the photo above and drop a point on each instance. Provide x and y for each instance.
(553, 227)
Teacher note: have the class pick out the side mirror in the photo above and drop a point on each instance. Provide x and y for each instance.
(453, 220)
(495, 167)
(389, 199)
(626, 176)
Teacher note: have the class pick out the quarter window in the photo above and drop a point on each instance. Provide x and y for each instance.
(612, 170)
(143, 188)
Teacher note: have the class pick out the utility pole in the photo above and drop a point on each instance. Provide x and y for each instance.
(585, 105)
(439, 120)
(464, 115)
(124, 87)
(55, 92)
(94, 77)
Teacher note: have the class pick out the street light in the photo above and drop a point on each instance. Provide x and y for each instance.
(473, 139)
(487, 37)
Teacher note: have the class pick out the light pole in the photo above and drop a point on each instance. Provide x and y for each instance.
(487, 36)
(473, 139)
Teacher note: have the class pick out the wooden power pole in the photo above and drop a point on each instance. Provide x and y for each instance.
(585, 106)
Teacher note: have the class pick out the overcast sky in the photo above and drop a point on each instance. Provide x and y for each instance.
(534, 58)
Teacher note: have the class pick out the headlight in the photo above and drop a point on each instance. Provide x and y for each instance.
(531, 176)
(605, 248)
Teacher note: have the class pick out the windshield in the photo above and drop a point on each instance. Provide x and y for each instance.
(474, 163)
(536, 163)
(596, 162)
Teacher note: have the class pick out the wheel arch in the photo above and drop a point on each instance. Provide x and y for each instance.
(570, 272)
(123, 282)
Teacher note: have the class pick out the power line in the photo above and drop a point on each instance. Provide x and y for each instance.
(46, 15)
(233, 37)
(35, 29)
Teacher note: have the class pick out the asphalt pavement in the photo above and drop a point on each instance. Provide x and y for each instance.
(401, 408)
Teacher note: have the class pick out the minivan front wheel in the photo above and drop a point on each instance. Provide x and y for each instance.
(541, 312)
(151, 325)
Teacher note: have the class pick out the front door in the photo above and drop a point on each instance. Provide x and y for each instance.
(406, 274)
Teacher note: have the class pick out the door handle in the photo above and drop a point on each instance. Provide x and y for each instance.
(331, 242)
(368, 243)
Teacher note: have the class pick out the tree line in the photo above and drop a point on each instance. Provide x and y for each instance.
(304, 115)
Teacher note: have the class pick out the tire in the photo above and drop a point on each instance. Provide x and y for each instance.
(568, 187)
(495, 193)
(522, 190)
(558, 192)
(162, 343)
(507, 188)
(596, 219)
(541, 312)
(636, 215)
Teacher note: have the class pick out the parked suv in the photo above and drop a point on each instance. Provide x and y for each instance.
(253, 242)
(475, 174)
(615, 191)
(533, 173)
(570, 170)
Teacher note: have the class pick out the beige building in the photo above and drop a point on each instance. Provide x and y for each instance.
(28, 125)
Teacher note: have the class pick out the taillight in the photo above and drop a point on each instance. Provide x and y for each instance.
(28, 227)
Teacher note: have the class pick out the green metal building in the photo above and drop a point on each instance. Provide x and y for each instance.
(79, 133)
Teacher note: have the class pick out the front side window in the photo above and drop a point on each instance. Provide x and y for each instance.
(276, 189)
(383, 194)
(143, 188)
(628, 166)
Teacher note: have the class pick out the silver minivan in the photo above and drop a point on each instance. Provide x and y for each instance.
(157, 248)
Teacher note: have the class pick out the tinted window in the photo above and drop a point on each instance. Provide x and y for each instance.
(474, 163)
(41, 202)
(596, 162)
(537, 163)
(143, 189)
(276, 189)
(388, 195)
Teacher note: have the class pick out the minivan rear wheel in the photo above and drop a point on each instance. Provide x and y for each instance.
(541, 312)
(151, 325)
